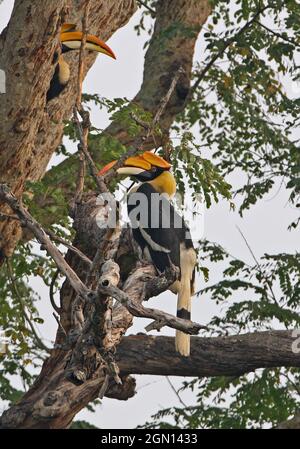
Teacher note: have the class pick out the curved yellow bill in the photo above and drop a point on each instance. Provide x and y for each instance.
(73, 39)
(136, 164)
(155, 160)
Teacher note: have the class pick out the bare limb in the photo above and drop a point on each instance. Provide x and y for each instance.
(138, 310)
(51, 293)
(27, 220)
(39, 342)
(210, 356)
(68, 245)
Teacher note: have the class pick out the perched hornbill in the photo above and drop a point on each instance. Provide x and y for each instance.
(159, 230)
(71, 40)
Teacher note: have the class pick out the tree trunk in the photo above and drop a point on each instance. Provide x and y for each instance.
(53, 400)
(30, 130)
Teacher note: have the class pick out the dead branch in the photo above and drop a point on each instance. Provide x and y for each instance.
(51, 293)
(136, 309)
(28, 221)
(214, 356)
(68, 245)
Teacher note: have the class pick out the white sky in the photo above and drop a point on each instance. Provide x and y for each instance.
(265, 228)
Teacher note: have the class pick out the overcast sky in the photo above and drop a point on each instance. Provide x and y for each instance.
(265, 227)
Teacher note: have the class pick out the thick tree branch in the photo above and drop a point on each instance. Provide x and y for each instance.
(293, 423)
(106, 285)
(30, 130)
(167, 52)
(53, 401)
(217, 356)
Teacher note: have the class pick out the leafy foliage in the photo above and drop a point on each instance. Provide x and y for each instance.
(19, 317)
(262, 399)
(267, 396)
(247, 119)
(82, 425)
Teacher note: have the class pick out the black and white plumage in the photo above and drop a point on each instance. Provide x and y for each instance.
(70, 40)
(160, 232)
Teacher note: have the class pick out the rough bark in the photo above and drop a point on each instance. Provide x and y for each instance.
(53, 401)
(30, 131)
(46, 406)
(217, 356)
(168, 50)
(29, 135)
(293, 423)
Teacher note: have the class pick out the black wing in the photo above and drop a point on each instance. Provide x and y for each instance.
(157, 226)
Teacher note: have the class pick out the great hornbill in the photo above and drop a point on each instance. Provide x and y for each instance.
(159, 230)
(71, 40)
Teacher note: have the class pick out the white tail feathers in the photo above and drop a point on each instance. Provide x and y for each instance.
(187, 265)
(183, 343)
(182, 340)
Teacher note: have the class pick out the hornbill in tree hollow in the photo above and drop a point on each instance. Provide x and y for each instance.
(160, 232)
(71, 40)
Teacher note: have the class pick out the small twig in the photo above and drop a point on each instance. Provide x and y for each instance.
(68, 245)
(226, 44)
(155, 326)
(51, 293)
(83, 131)
(28, 221)
(176, 393)
(139, 121)
(138, 143)
(59, 324)
(165, 100)
(39, 342)
(279, 35)
(140, 311)
(259, 267)
(80, 179)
